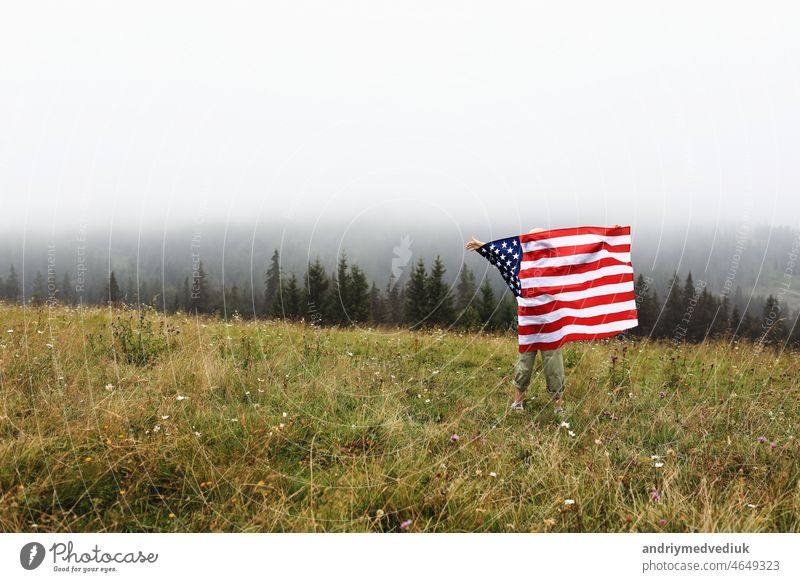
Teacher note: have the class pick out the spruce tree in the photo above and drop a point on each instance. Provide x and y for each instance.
(200, 296)
(416, 300)
(272, 282)
(67, 291)
(315, 296)
(377, 310)
(39, 292)
(394, 302)
(487, 304)
(466, 300)
(112, 289)
(12, 285)
(340, 293)
(357, 296)
(440, 301)
(671, 325)
(772, 326)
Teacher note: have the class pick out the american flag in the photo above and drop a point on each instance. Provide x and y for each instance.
(570, 283)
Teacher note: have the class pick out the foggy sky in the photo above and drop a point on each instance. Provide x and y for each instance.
(156, 114)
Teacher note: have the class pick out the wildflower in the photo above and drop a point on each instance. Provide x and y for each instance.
(655, 495)
(598, 441)
(569, 502)
(164, 416)
(454, 437)
(87, 459)
(492, 474)
(662, 522)
(752, 505)
(350, 354)
(179, 398)
(571, 433)
(658, 464)
(564, 424)
(654, 457)
(172, 516)
(109, 386)
(762, 439)
(197, 434)
(662, 395)
(406, 524)
(285, 415)
(49, 346)
(549, 522)
(773, 444)
(10, 330)
(379, 513)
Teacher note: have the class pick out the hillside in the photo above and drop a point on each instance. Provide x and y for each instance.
(112, 422)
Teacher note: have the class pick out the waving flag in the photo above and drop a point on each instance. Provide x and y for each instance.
(570, 283)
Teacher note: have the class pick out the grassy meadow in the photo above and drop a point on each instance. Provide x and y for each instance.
(112, 422)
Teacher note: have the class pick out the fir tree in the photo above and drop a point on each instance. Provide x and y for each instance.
(200, 298)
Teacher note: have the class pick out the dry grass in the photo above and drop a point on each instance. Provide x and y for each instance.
(293, 428)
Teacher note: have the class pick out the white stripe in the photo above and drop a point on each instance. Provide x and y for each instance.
(583, 312)
(574, 260)
(612, 289)
(554, 336)
(574, 240)
(576, 278)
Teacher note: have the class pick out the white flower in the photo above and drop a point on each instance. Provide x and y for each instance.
(571, 433)
(50, 346)
(285, 415)
(659, 464)
(197, 434)
(597, 441)
(350, 354)
(492, 474)
(564, 424)
(164, 416)
(569, 502)
(179, 398)
(752, 505)
(654, 457)
(109, 386)
(10, 330)
(281, 425)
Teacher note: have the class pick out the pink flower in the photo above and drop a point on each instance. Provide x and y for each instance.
(773, 444)
(662, 395)
(762, 439)
(662, 522)
(655, 495)
(454, 438)
(406, 524)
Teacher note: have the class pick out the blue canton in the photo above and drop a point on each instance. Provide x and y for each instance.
(506, 255)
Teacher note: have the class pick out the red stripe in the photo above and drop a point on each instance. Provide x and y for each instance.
(577, 304)
(551, 252)
(572, 319)
(570, 269)
(607, 280)
(555, 233)
(567, 338)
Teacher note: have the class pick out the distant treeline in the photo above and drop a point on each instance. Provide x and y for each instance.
(687, 312)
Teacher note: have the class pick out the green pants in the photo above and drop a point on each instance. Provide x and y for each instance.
(553, 365)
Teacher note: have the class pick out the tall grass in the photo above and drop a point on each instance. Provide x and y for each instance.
(112, 422)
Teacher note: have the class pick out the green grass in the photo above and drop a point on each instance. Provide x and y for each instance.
(287, 427)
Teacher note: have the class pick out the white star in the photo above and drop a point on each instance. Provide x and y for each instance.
(514, 243)
(516, 256)
(505, 245)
